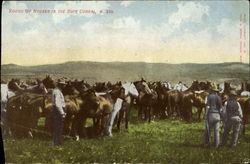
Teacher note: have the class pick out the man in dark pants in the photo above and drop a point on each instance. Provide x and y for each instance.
(58, 113)
(212, 116)
(233, 116)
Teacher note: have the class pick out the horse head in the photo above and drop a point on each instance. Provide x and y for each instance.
(142, 86)
(91, 102)
(69, 89)
(131, 89)
(227, 87)
(195, 85)
(48, 82)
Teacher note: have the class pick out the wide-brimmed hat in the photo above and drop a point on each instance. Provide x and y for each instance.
(233, 92)
(61, 82)
(3, 81)
(214, 88)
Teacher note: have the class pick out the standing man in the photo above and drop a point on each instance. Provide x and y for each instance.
(212, 116)
(233, 116)
(4, 99)
(178, 86)
(58, 112)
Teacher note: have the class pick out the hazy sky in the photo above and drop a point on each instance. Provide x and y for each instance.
(159, 31)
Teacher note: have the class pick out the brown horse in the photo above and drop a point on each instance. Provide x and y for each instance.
(173, 102)
(161, 104)
(187, 99)
(23, 112)
(72, 107)
(145, 100)
(180, 102)
(199, 102)
(245, 106)
(92, 107)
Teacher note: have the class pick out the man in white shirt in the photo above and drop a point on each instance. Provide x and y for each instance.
(179, 86)
(58, 112)
(4, 99)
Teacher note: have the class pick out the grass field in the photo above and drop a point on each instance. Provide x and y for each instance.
(162, 141)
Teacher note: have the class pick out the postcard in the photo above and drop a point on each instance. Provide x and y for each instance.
(125, 81)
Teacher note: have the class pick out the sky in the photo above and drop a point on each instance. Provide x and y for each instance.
(125, 31)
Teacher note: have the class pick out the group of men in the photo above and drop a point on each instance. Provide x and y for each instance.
(230, 113)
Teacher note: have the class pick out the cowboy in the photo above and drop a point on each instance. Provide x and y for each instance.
(233, 116)
(179, 86)
(58, 112)
(4, 99)
(212, 116)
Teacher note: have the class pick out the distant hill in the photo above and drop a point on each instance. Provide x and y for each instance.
(130, 71)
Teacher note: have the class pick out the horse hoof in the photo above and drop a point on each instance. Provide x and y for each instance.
(77, 138)
(30, 135)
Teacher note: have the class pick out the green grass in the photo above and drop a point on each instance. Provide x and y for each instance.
(162, 141)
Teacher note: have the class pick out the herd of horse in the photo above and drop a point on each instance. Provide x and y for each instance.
(32, 100)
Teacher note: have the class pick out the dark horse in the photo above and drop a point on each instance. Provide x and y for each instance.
(145, 100)
(48, 82)
(23, 112)
(245, 105)
(181, 102)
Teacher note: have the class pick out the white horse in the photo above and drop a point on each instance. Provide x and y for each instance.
(245, 93)
(180, 87)
(167, 85)
(130, 90)
(221, 87)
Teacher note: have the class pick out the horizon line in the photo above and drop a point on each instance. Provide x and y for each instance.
(125, 62)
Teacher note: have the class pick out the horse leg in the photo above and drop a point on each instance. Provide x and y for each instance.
(244, 121)
(169, 110)
(178, 110)
(119, 119)
(96, 124)
(76, 127)
(169, 106)
(140, 112)
(145, 108)
(30, 135)
(66, 127)
(98, 128)
(82, 128)
(149, 114)
(163, 113)
(190, 113)
(127, 114)
(48, 123)
(199, 112)
(245, 110)
(73, 131)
